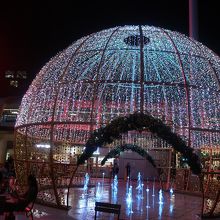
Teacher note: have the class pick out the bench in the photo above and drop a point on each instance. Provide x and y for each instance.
(107, 207)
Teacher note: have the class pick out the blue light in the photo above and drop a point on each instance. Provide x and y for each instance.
(160, 197)
(85, 186)
(171, 191)
(98, 191)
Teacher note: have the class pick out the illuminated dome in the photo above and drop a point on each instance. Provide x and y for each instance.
(113, 73)
(120, 71)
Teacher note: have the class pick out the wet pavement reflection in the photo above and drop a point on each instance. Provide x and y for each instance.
(150, 203)
(155, 204)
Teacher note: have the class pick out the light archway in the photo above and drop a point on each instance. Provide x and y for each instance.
(117, 150)
(140, 122)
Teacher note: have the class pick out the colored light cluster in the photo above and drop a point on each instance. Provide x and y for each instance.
(112, 73)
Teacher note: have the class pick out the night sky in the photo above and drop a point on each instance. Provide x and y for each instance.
(34, 31)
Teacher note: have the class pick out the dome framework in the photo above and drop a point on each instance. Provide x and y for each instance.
(112, 73)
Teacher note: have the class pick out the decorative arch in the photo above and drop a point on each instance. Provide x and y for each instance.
(139, 122)
(116, 151)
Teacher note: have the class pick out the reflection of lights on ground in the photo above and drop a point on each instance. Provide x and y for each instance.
(114, 197)
(38, 214)
(160, 209)
(82, 203)
(115, 183)
(115, 189)
(160, 203)
(172, 201)
(171, 192)
(98, 191)
(90, 203)
(83, 209)
(142, 206)
(129, 200)
(129, 196)
(147, 214)
(85, 186)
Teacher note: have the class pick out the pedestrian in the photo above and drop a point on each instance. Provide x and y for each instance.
(18, 202)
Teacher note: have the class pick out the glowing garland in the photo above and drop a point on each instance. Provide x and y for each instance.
(140, 122)
(116, 151)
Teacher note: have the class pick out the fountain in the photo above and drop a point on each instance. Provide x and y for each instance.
(160, 197)
(115, 184)
(129, 200)
(139, 183)
(139, 180)
(160, 202)
(147, 190)
(142, 191)
(98, 193)
(85, 186)
(171, 192)
(172, 201)
(114, 189)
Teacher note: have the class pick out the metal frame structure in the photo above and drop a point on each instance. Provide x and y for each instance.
(113, 73)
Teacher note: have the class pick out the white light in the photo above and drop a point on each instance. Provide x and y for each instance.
(43, 146)
(160, 197)
(98, 191)
(171, 191)
(14, 112)
(96, 152)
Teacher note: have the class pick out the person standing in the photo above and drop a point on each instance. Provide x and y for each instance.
(18, 202)
(110, 172)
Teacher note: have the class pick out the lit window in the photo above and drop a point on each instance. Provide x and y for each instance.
(43, 146)
(21, 74)
(14, 83)
(9, 74)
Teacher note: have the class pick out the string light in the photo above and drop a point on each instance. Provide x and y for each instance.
(99, 77)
